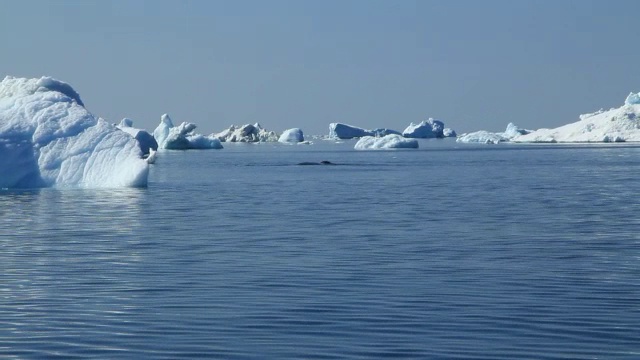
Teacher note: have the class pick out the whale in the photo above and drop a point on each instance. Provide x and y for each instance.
(323, 162)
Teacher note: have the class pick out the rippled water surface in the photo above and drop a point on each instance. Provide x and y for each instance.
(446, 252)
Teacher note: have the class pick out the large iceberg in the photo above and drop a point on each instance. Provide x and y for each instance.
(392, 141)
(344, 131)
(294, 135)
(615, 125)
(486, 137)
(425, 129)
(48, 138)
(182, 137)
(146, 141)
(246, 133)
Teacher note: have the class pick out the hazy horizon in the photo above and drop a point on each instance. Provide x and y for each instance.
(474, 65)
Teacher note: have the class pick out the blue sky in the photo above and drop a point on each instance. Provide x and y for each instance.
(476, 65)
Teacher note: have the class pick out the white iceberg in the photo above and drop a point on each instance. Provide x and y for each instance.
(486, 137)
(392, 141)
(182, 137)
(48, 138)
(294, 135)
(246, 133)
(425, 129)
(146, 141)
(384, 132)
(481, 137)
(344, 131)
(615, 125)
(447, 132)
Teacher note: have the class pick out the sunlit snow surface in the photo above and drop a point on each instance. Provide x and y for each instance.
(486, 137)
(48, 138)
(294, 135)
(246, 133)
(615, 125)
(146, 141)
(182, 137)
(386, 142)
(425, 129)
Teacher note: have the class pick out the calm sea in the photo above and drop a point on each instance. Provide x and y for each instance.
(451, 251)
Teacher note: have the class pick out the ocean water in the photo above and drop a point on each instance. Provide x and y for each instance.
(451, 251)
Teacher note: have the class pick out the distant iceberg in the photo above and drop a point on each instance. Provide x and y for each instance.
(294, 135)
(182, 137)
(615, 125)
(486, 137)
(48, 138)
(425, 130)
(449, 133)
(380, 132)
(391, 141)
(246, 133)
(146, 141)
(344, 131)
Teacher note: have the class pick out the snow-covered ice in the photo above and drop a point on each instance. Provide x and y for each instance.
(146, 141)
(48, 138)
(425, 129)
(486, 137)
(294, 135)
(344, 131)
(392, 141)
(384, 132)
(615, 125)
(182, 137)
(246, 133)
(448, 133)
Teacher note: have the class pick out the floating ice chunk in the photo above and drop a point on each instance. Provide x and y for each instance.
(146, 141)
(380, 132)
(424, 130)
(162, 130)
(486, 137)
(633, 99)
(48, 138)
(391, 141)
(294, 135)
(513, 131)
(182, 137)
(481, 137)
(246, 133)
(447, 132)
(344, 131)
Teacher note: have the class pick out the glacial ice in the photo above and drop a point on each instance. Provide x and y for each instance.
(146, 141)
(486, 137)
(294, 135)
(182, 137)
(449, 133)
(246, 133)
(48, 138)
(425, 129)
(614, 125)
(633, 99)
(344, 131)
(392, 141)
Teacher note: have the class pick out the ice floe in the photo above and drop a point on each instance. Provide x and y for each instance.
(392, 141)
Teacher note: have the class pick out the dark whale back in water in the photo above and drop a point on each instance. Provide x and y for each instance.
(323, 162)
